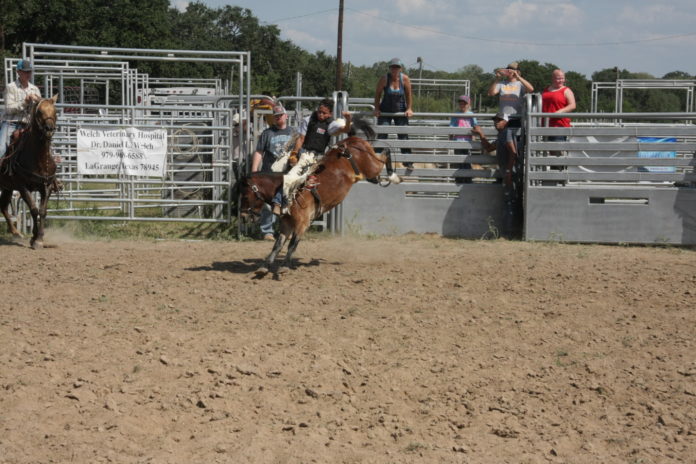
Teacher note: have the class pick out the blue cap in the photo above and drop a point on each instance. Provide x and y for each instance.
(24, 65)
(396, 62)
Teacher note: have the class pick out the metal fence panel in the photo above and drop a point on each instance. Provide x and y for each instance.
(203, 118)
(619, 178)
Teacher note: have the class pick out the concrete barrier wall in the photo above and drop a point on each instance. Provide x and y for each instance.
(466, 211)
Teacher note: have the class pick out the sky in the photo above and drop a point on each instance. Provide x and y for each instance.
(585, 36)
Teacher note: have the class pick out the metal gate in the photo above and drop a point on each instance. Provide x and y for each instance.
(618, 178)
(204, 120)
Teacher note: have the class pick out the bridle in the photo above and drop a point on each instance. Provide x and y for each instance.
(42, 123)
(254, 188)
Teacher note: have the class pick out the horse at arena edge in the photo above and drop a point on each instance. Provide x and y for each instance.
(28, 166)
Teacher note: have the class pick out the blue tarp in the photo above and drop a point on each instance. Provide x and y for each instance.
(657, 154)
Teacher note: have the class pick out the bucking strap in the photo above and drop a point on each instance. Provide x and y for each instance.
(388, 162)
(346, 154)
(317, 202)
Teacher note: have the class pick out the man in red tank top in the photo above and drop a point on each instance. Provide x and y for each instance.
(557, 98)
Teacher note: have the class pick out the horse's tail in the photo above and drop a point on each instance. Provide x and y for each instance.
(363, 125)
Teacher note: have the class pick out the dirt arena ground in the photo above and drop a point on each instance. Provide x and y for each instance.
(413, 349)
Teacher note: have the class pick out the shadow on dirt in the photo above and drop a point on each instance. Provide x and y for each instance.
(12, 241)
(249, 266)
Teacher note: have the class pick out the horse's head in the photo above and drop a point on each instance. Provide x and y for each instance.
(251, 200)
(45, 116)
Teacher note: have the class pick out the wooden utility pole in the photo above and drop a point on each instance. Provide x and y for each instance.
(339, 51)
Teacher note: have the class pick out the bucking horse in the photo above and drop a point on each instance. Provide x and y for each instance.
(351, 160)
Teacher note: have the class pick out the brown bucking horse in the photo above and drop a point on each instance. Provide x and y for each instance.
(351, 160)
(28, 166)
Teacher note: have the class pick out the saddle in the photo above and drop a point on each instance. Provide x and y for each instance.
(15, 140)
(311, 185)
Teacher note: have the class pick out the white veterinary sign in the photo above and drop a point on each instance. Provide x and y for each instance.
(129, 151)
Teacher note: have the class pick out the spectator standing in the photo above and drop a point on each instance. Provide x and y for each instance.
(557, 98)
(510, 163)
(510, 87)
(19, 97)
(273, 142)
(464, 103)
(393, 95)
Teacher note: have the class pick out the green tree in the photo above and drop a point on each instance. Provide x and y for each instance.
(581, 88)
(678, 75)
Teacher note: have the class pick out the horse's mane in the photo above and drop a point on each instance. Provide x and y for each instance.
(359, 123)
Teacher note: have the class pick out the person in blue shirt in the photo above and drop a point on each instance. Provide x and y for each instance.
(272, 144)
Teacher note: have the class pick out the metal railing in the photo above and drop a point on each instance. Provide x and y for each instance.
(206, 134)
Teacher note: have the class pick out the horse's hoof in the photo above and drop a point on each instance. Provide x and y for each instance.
(36, 245)
(283, 269)
(262, 271)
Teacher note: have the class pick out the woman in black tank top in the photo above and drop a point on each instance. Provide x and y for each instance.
(393, 95)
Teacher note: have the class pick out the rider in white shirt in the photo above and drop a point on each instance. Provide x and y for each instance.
(19, 98)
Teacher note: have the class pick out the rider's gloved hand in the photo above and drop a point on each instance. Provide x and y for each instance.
(292, 159)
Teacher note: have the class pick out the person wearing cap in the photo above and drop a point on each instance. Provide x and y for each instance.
(20, 95)
(510, 164)
(393, 95)
(464, 103)
(510, 87)
(272, 143)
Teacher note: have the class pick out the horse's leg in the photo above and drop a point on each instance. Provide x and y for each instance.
(26, 196)
(277, 246)
(5, 198)
(270, 259)
(294, 241)
(300, 227)
(45, 193)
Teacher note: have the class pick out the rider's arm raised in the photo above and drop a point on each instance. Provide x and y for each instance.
(349, 118)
